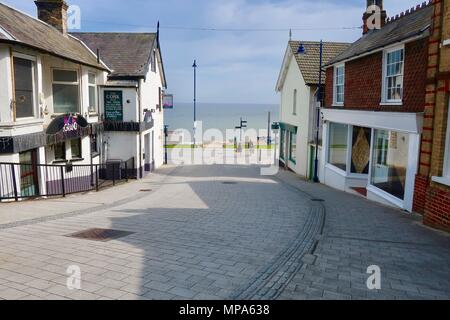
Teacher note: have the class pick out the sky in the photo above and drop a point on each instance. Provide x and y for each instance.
(237, 66)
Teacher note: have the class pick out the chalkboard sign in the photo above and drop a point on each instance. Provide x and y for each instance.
(113, 105)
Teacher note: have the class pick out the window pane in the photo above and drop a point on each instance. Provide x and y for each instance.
(76, 148)
(337, 152)
(293, 147)
(23, 84)
(65, 98)
(282, 144)
(92, 78)
(92, 100)
(390, 162)
(361, 150)
(65, 76)
(60, 151)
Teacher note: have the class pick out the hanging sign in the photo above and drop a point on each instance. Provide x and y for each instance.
(168, 101)
(113, 105)
(66, 124)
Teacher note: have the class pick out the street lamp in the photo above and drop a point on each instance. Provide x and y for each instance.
(195, 97)
(302, 50)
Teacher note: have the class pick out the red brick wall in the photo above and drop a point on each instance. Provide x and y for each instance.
(363, 81)
(437, 210)
(416, 61)
(420, 193)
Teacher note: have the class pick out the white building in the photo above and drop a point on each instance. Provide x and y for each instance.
(131, 99)
(48, 97)
(298, 87)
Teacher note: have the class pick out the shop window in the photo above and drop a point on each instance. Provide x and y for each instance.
(282, 144)
(390, 162)
(338, 145)
(293, 147)
(60, 151)
(75, 146)
(65, 91)
(92, 84)
(24, 87)
(361, 150)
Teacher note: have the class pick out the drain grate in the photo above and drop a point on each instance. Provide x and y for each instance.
(102, 235)
(145, 190)
(317, 200)
(229, 182)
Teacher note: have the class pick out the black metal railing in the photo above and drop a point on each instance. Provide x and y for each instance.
(22, 181)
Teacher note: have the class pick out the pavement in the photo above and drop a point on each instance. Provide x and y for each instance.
(219, 232)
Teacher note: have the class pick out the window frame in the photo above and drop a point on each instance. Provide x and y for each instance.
(94, 108)
(34, 80)
(384, 86)
(294, 103)
(81, 149)
(77, 83)
(291, 135)
(335, 85)
(56, 160)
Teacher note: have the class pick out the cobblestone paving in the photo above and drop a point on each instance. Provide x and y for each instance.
(210, 232)
(225, 232)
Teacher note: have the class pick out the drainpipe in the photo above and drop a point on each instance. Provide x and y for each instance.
(140, 132)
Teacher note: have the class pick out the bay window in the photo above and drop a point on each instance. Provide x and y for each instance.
(66, 91)
(24, 86)
(339, 84)
(393, 75)
(338, 145)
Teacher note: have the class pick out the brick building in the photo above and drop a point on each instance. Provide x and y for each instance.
(432, 195)
(373, 108)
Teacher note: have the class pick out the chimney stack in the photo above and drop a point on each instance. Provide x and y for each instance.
(375, 21)
(53, 12)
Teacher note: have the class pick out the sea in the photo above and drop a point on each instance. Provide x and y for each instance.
(221, 116)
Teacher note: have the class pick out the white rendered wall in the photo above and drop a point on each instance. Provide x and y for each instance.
(294, 80)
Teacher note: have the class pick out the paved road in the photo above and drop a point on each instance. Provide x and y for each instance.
(223, 232)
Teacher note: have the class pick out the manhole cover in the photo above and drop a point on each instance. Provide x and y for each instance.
(146, 190)
(103, 235)
(229, 182)
(317, 200)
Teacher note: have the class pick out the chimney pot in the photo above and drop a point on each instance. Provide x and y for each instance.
(54, 13)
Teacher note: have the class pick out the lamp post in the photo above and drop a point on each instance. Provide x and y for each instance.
(166, 133)
(302, 50)
(195, 98)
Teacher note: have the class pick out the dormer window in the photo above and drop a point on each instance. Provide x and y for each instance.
(339, 84)
(393, 71)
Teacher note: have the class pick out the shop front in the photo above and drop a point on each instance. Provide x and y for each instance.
(374, 154)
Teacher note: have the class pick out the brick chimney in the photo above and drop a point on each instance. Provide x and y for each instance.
(381, 20)
(53, 12)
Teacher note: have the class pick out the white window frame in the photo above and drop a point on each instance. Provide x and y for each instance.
(77, 83)
(445, 179)
(34, 73)
(294, 107)
(384, 99)
(335, 102)
(92, 85)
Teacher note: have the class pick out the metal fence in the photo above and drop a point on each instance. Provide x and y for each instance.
(22, 181)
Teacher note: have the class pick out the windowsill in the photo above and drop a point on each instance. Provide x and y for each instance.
(93, 114)
(336, 169)
(55, 115)
(337, 105)
(59, 161)
(77, 160)
(442, 180)
(24, 121)
(391, 103)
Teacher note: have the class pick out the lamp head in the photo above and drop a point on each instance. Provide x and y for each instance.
(301, 49)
